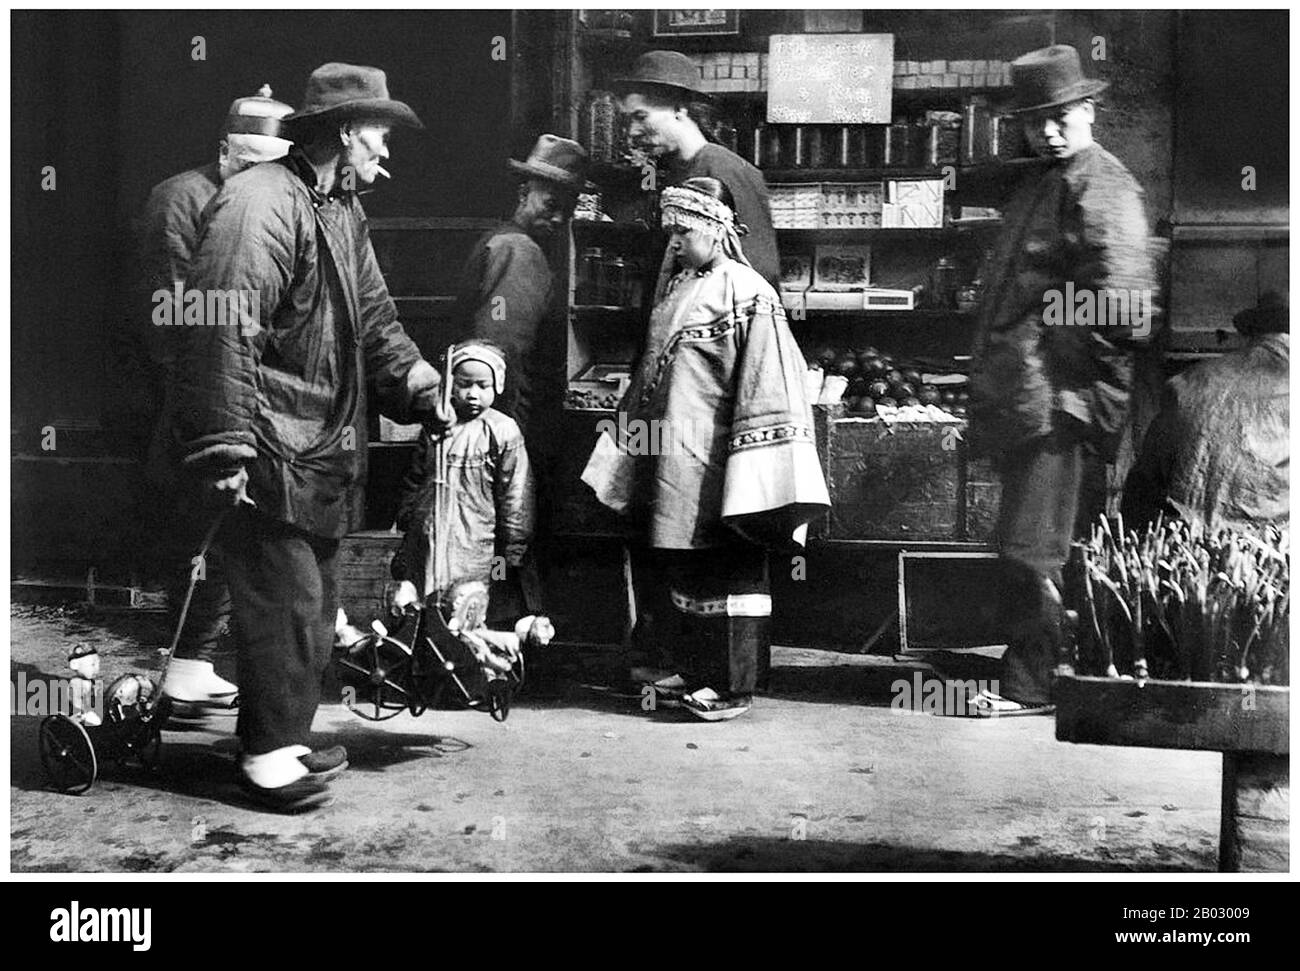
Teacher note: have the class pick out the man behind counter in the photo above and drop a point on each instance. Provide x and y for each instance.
(664, 107)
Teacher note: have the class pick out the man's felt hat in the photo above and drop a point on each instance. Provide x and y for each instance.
(555, 159)
(1049, 77)
(258, 115)
(669, 71)
(352, 91)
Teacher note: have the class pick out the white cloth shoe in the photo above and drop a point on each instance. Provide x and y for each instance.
(197, 683)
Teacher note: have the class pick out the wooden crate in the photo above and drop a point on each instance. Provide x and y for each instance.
(904, 482)
(364, 577)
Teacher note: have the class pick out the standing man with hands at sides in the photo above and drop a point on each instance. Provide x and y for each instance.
(1049, 395)
(507, 284)
(668, 116)
(269, 415)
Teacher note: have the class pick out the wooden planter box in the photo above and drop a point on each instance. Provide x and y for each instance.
(1249, 724)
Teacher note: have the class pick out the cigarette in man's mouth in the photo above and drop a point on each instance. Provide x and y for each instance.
(382, 171)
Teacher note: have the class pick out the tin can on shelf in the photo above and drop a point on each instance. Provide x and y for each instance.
(853, 147)
(794, 146)
(903, 146)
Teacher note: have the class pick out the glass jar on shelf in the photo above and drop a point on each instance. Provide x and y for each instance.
(943, 283)
(614, 281)
(600, 126)
(590, 284)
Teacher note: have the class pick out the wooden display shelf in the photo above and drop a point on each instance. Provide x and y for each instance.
(1249, 724)
(977, 170)
(909, 97)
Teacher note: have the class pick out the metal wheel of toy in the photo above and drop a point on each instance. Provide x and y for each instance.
(498, 699)
(67, 755)
(378, 669)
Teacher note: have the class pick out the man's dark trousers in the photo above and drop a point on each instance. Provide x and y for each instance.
(284, 587)
(1039, 513)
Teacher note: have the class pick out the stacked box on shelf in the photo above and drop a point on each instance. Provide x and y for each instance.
(924, 75)
(851, 205)
(796, 206)
(912, 204)
(730, 71)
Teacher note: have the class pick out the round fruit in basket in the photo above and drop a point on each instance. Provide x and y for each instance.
(875, 366)
(902, 390)
(913, 378)
(947, 398)
(963, 397)
(959, 411)
(850, 403)
(894, 376)
(865, 407)
(912, 402)
(929, 395)
(846, 366)
(824, 355)
(878, 389)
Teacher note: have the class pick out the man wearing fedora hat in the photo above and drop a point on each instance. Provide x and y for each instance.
(1046, 400)
(269, 416)
(666, 113)
(507, 284)
(1219, 451)
(251, 133)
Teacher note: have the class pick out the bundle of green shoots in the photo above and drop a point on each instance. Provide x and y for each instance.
(1178, 603)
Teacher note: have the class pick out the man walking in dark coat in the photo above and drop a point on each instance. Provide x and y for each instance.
(269, 406)
(172, 215)
(1069, 285)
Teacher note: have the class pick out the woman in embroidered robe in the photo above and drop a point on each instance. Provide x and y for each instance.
(712, 452)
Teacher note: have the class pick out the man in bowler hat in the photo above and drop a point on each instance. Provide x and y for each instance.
(1048, 396)
(269, 415)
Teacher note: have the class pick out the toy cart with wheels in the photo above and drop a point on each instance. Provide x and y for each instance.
(73, 747)
(126, 728)
(383, 675)
(444, 640)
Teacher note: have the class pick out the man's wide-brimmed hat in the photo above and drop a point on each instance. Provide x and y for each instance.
(668, 70)
(1271, 315)
(1049, 77)
(555, 159)
(352, 91)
